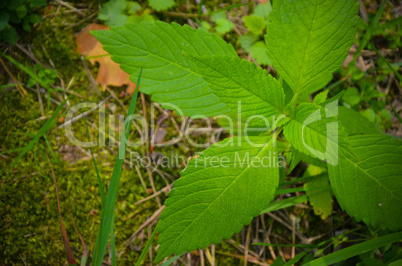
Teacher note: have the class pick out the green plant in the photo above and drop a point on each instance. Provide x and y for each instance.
(120, 12)
(47, 75)
(252, 42)
(202, 75)
(18, 13)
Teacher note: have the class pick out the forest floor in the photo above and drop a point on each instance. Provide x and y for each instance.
(29, 218)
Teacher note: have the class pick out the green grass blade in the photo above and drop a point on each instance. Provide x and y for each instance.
(367, 35)
(277, 205)
(300, 179)
(8, 85)
(113, 245)
(50, 149)
(386, 61)
(28, 71)
(299, 189)
(145, 250)
(278, 245)
(357, 249)
(100, 184)
(171, 260)
(296, 258)
(45, 128)
(114, 183)
(101, 188)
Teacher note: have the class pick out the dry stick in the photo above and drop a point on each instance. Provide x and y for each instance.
(247, 245)
(70, 256)
(147, 222)
(116, 98)
(163, 190)
(300, 235)
(179, 129)
(94, 85)
(271, 249)
(42, 110)
(241, 248)
(48, 57)
(70, 7)
(293, 218)
(251, 259)
(31, 55)
(151, 180)
(280, 249)
(144, 110)
(213, 254)
(83, 20)
(202, 257)
(141, 178)
(188, 258)
(20, 89)
(84, 113)
(150, 247)
(264, 234)
(178, 14)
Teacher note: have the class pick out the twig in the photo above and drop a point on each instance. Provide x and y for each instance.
(30, 55)
(163, 190)
(21, 89)
(300, 235)
(90, 77)
(151, 180)
(70, 256)
(42, 109)
(141, 178)
(247, 245)
(85, 113)
(70, 7)
(147, 222)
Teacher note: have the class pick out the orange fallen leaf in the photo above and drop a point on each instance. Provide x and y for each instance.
(109, 73)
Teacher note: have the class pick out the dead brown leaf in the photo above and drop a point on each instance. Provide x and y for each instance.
(109, 73)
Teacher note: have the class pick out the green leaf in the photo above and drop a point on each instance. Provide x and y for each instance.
(37, 3)
(21, 11)
(351, 97)
(218, 193)
(370, 189)
(357, 249)
(247, 41)
(133, 7)
(321, 97)
(314, 40)
(167, 76)
(14, 4)
(354, 123)
(321, 199)
(314, 130)
(35, 18)
(254, 24)
(237, 81)
(369, 114)
(223, 26)
(218, 15)
(263, 10)
(259, 53)
(160, 5)
(9, 34)
(112, 13)
(4, 17)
